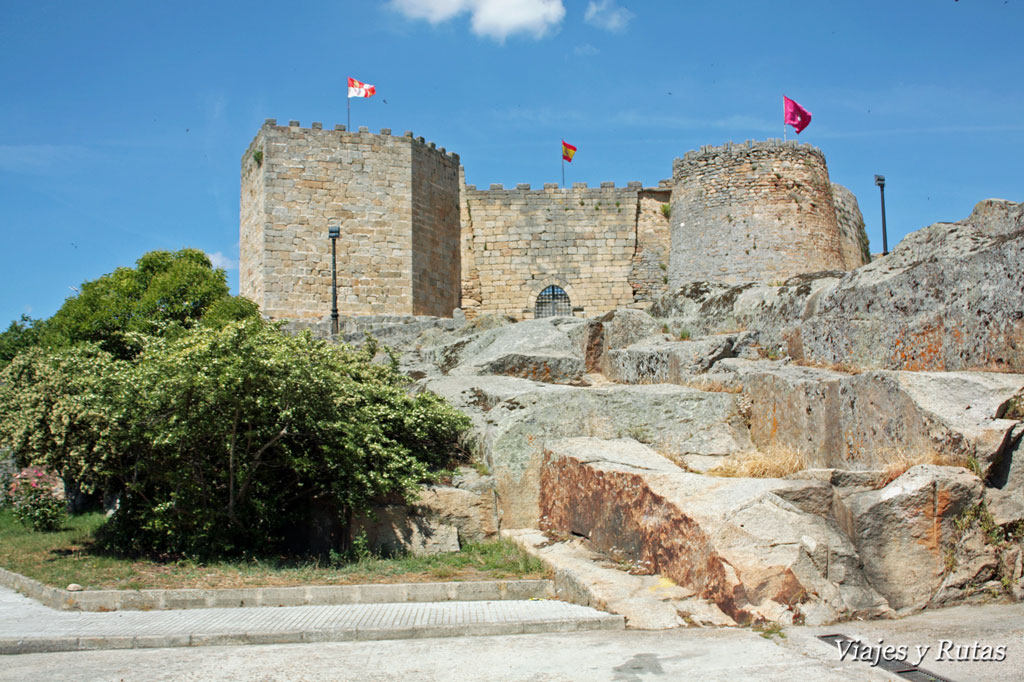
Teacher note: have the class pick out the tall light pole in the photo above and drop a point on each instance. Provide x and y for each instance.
(334, 233)
(880, 181)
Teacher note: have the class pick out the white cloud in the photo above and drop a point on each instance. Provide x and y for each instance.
(607, 15)
(495, 19)
(219, 260)
(585, 50)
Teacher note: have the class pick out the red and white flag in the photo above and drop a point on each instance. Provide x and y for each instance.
(360, 89)
(795, 115)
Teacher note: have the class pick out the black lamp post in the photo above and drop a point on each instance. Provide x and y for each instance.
(880, 181)
(334, 233)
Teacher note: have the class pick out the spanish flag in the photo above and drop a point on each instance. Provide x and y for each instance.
(568, 151)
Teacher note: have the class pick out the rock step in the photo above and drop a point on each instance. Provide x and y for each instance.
(759, 549)
(647, 602)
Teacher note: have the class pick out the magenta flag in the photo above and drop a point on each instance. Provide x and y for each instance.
(796, 115)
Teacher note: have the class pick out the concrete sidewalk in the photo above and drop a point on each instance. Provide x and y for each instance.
(29, 627)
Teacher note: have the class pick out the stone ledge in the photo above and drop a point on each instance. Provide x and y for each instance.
(303, 595)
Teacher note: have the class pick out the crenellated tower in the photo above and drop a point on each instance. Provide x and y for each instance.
(395, 198)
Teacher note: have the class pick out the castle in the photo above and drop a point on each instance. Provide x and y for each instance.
(416, 240)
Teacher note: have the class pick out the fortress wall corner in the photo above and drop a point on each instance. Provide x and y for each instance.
(436, 226)
(367, 184)
(253, 223)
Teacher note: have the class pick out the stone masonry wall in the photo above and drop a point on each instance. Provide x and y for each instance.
(649, 268)
(518, 241)
(254, 223)
(853, 240)
(436, 267)
(312, 178)
(757, 212)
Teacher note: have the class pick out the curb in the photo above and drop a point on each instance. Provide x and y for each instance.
(303, 595)
(45, 645)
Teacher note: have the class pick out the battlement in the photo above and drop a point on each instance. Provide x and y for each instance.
(416, 240)
(747, 151)
(361, 134)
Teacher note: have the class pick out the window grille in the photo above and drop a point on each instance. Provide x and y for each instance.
(552, 301)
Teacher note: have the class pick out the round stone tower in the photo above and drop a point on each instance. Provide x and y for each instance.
(756, 212)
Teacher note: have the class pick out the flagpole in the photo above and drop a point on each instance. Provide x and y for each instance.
(563, 172)
(348, 102)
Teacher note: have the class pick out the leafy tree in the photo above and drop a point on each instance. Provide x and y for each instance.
(233, 309)
(21, 335)
(165, 293)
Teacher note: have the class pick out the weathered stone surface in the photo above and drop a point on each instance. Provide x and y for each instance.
(865, 421)
(586, 577)
(736, 542)
(659, 361)
(948, 297)
(613, 330)
(535, 349)
(972, 565)
(441, 519)
(902, 530)
(398, 529)
(774, 312)
(1005, 497)
(514, 419)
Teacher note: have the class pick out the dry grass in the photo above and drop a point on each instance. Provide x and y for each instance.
(899, 461)
(777, 461)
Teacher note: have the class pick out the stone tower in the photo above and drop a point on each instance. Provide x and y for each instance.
(396, 200)
(756, 212)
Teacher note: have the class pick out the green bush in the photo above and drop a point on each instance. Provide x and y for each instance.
(37, 500)
(60, 410)
(235, 437)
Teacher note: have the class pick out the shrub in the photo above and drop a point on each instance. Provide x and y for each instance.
(37, 499)
(238, 435)
(60, 410)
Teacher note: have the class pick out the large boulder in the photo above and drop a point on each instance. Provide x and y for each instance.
(541, 350)
(515, 418)
(879, 418)
(674, 362)
(442, 519)
(948, 297)
(774, 311)
(616, 329)
(744, 544)
(904, 530)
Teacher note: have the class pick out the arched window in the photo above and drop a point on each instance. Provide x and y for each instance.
(552, 301)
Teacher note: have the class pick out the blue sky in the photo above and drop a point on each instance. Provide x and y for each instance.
(122, 124)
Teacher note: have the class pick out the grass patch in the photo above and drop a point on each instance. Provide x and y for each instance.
(769, 630)
(69, 556)
(899, 461)
(776, 461)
